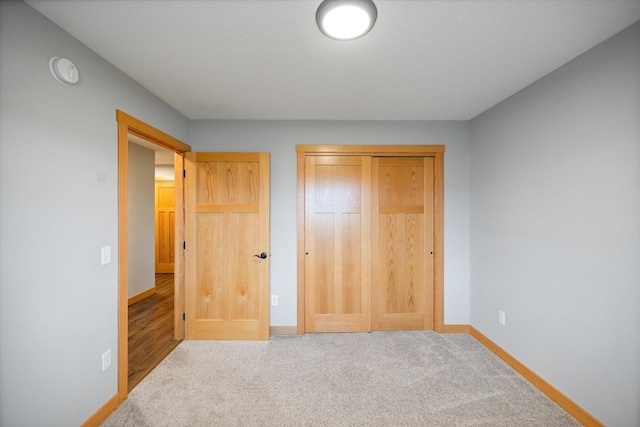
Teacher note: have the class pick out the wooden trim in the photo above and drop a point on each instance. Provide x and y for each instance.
(438, 242)
(283, 330)
(301, 243)
(371, 150)
(435, 151)
(130, 125)
(123, 253)
(190, 167)
(142, 295)
(178, 258)
(455, 329)
(101, 414)
(150, 133)
(551, 392)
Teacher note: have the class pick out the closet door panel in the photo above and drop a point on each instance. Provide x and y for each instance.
(337, 243)
(402, 216)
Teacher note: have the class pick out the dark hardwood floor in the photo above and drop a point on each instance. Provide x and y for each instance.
(151, 330)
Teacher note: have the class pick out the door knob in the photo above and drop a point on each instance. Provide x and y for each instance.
(263, 255)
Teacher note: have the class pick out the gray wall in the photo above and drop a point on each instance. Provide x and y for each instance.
(281, 137)
(555, 234)
(58, 187)
(142, 256)
(555, 228)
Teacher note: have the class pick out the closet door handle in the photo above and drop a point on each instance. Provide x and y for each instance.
(263, 255)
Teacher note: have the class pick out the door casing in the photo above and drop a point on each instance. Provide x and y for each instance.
(435, 151)
(130, 125)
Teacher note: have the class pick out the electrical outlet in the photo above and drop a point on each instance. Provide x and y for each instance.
(274, 299)
(106, 360)
(501, 318)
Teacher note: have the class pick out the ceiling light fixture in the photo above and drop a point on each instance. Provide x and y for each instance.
(346, 19)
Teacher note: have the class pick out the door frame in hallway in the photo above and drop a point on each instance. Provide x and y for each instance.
(130, 125)
(435, 151)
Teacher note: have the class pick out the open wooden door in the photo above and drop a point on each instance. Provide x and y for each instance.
(338, 243)
(227, 246)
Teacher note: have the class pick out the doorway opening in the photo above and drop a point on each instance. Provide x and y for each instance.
(151, 197)
(138, 140)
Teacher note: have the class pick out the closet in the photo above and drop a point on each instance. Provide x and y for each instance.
(369, 238)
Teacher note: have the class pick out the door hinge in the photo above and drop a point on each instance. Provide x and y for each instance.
(184, 317)
(184, 245)
(184, 173)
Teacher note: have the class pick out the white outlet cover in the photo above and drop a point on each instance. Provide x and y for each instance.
(106, 360)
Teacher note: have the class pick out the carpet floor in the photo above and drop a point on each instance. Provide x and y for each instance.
(416, 378)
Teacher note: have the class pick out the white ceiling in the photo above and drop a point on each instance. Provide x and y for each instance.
(267, 60)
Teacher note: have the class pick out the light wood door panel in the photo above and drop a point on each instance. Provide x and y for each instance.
(338, 243)
(227, 224)
(404, 262)
(165, 226)
(402, 216)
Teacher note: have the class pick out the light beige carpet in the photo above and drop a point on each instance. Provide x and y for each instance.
(378, 379)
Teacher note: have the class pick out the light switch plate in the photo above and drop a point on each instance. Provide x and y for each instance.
(502, 318)
(106, 255)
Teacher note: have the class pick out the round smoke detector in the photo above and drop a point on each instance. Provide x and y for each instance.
(64, 70)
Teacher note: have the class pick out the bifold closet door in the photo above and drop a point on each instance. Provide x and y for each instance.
(402, 255)
(337, 243)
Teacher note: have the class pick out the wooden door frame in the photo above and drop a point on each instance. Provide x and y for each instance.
(130, 125)
(435, 151)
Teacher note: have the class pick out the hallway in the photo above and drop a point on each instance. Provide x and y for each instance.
(151, 330)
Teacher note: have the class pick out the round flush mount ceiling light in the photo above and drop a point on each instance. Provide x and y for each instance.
(346, 19)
